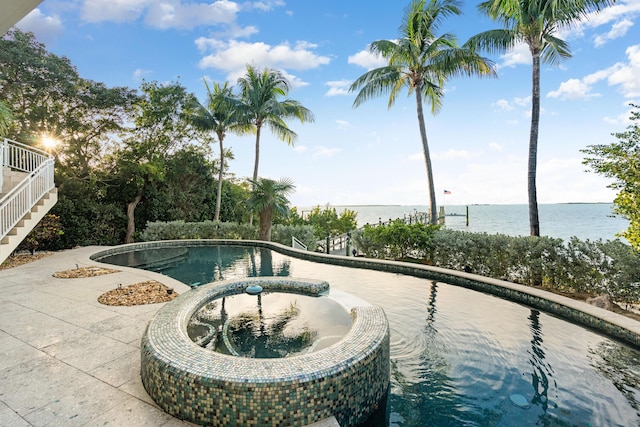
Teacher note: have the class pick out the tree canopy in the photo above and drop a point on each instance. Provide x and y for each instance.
(620, 161)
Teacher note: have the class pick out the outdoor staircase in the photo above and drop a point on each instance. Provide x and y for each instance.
(27, 192)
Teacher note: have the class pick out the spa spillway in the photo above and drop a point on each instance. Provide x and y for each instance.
(267, 351)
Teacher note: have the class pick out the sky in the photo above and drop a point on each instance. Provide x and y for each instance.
(372, 154)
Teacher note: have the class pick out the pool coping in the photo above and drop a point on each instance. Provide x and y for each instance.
(580, 312)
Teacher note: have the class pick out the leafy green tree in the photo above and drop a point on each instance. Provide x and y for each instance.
(87, 214)
(260, 93)
(327, 221)
(5, 118)
(535, 23)
(269, 197)
(49, 228)
(185, 193)
(219, 115)
(160, 128)
(94, 118)
(422, 62)
(621, 162)
(35, 84)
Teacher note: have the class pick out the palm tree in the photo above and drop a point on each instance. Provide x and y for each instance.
(422, 62)
(269, 197)
(536, 23)
(220, 116)
(259, 98)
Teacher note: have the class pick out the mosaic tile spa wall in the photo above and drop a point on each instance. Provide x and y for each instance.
(346, 380)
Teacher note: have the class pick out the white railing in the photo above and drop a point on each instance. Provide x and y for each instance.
(19, 201)
(297, 244)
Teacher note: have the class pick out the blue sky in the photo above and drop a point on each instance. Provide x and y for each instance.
(372, 154)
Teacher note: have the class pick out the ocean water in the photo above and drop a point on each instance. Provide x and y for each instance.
(586, 221)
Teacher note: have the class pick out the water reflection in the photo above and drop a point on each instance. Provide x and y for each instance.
(441, 405)
(269, 325)
(621, 366)
(542, 372)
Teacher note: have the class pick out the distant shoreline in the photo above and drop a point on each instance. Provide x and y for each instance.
(451, 204)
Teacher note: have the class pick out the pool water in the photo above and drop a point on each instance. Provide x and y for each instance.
(269, 325)
(460, 357)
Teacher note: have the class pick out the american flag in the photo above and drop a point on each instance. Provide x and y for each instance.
(447, 192)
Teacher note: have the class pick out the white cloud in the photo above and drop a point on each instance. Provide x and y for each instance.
(419, 156)
(573, 89)
(300, 148)
(452, 154)
(343, 124)
(495, 146)
(175, 14)
(46, 28)
(619, 29)
(367, 60)
(503, 104)
(627, 76)
(205, 44)
(325, 152)
(113, 10)
(139, 73)
(294, 81)
(338, 87)
(233, 57)
(520, 54)
(161, 14)
(621, 10)
(264, 6)
(523, 102)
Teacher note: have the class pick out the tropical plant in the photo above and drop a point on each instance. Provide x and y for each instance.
(621, 161)
(219, 115)
(260, 93)
(46, 95)
(47, 230)
(535, 23)
(327, 221)
(5, 118)
(160, 128)
(421, 61)
(269, 197)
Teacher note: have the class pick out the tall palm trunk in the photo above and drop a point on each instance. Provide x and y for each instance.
(131, 221)
(255, 165)
(220, 174)
(433, 216)
(534, 221)
(266, 221)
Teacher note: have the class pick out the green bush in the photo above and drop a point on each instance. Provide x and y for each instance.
(305, 233)
(574, 266)
(176, 230)
(396, 240)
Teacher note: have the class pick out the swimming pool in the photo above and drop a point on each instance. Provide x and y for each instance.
(458, 357)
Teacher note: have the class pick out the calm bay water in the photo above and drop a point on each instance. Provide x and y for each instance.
(564, 220)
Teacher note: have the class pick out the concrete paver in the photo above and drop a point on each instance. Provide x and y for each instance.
(66, 359)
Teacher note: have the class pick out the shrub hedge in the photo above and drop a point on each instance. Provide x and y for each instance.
(575, 266)
(176, 230)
